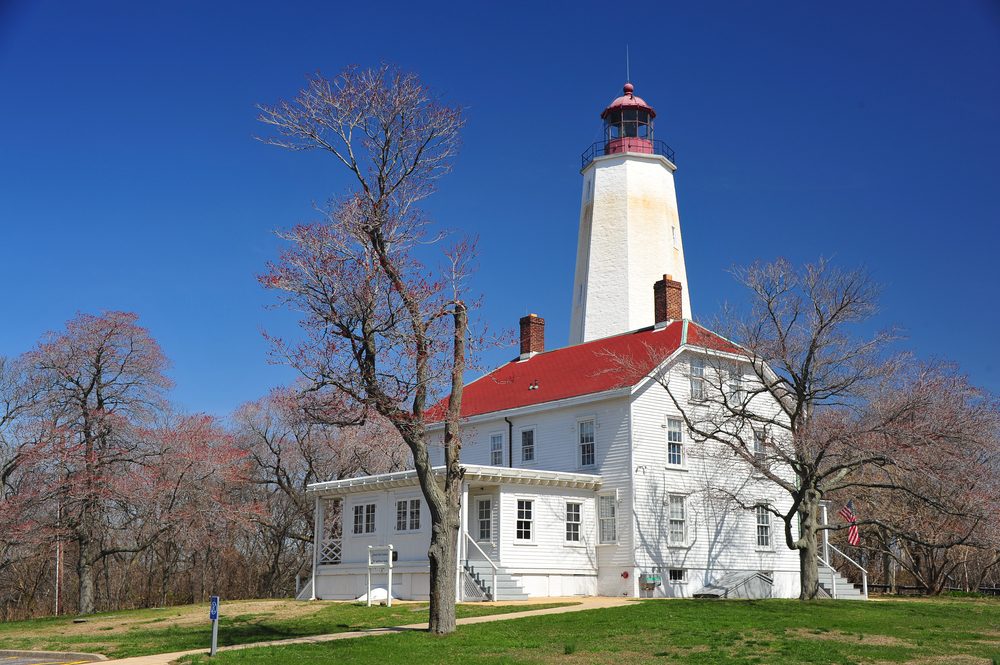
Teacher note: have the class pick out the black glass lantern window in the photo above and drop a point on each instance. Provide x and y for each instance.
(630, 123)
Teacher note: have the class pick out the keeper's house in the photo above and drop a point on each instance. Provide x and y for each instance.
(580, 475)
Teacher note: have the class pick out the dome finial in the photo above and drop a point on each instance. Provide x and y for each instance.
(628, 88)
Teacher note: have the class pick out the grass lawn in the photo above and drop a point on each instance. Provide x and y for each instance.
(953, 631)
(141, 632)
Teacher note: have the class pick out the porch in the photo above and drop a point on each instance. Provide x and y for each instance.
(523, 533)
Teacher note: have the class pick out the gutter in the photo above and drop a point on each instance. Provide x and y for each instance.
(510, 442)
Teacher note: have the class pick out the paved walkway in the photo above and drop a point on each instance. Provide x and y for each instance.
(589, 603)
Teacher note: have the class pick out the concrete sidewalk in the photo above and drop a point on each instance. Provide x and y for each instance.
(587, 603)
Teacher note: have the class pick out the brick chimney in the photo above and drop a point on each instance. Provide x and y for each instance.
(532, 335)
(667, 301)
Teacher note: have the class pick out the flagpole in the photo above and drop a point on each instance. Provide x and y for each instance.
(58, 552)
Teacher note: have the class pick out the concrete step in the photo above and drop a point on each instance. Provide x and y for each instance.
(508, 587)
(845, 589)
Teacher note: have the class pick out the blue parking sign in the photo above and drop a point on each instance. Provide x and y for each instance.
(213, 608)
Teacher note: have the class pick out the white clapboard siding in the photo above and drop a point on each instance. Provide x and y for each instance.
(547, 551)
(721, 536)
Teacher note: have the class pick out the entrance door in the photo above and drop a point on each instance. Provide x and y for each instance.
(483, 526)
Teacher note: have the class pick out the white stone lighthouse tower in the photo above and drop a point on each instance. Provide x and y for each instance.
(630, 233)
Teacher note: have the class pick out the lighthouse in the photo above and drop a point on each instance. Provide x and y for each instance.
(630, 232)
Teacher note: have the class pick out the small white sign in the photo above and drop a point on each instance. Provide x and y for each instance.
(380, 563)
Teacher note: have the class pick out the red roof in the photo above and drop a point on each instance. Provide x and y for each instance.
(592, 367)
(628, 100)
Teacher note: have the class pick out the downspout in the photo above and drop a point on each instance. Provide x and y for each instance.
(510, 442)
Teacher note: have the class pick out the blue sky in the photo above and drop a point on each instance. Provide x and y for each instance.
(129, 177)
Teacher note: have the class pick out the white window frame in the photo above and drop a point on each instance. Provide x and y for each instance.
(534, 444)
(736, 393)
(411, 510)
(604, 500)
(530, 500)
(671, 520)
(697, 379)
(580, 444)
(761, 510)
(578, 523)
(480, 500)
(494, 437)
(759, 446)
(683, 579)
(675, 437)
(361, 510)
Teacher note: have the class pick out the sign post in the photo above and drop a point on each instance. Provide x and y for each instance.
(213, 614)
(380, 563)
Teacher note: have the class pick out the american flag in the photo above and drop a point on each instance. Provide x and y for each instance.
(847, 512)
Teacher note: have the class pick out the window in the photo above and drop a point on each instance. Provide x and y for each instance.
(364, 518)
(573, 522)
(697, 379)
(586, 437)
(676, 575)
(677, 528)
(484, 518)
(525, 519)
(734, 386)
(759, 450)
(606, 518)
(675, 442)
(763, 526)
(528, 445)
(408, 515)
(496, 449)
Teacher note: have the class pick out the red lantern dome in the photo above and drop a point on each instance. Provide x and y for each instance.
(628, 101)
(628, 124)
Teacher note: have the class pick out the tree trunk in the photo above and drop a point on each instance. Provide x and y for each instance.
(808, 546)
(443, 556)
(86, 585)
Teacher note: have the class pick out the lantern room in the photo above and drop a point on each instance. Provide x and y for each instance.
(628, 124)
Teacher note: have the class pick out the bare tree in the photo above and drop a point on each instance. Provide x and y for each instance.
(935, 503)
(288, 450)
(813, 417)
(383, 332)
(101, 380)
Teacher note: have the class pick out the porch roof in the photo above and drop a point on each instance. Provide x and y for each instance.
(473, 472)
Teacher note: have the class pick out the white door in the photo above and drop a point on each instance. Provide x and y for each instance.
(483, 526)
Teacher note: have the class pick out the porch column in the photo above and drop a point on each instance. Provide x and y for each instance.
(318, 519)
(826, 534)
(461, 549)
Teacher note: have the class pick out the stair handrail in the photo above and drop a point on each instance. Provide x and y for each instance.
(488, 560)
(833, 576)
(864, 573)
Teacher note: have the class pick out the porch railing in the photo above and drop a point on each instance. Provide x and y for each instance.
(864, 573)
(833, 576)
(493, 565)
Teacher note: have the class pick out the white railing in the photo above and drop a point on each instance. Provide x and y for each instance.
(864, 573)
(827, 546)
(479, 549)
(833, 577)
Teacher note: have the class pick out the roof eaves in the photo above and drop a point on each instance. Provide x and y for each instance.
(540, 406)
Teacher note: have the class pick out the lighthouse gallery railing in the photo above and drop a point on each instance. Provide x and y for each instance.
(627, 144)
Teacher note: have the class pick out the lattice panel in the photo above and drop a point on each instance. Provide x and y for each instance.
(330, 554)
(471, 591)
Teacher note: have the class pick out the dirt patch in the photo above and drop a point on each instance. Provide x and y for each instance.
(957, 659)
(837, 636)
(116, 624)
